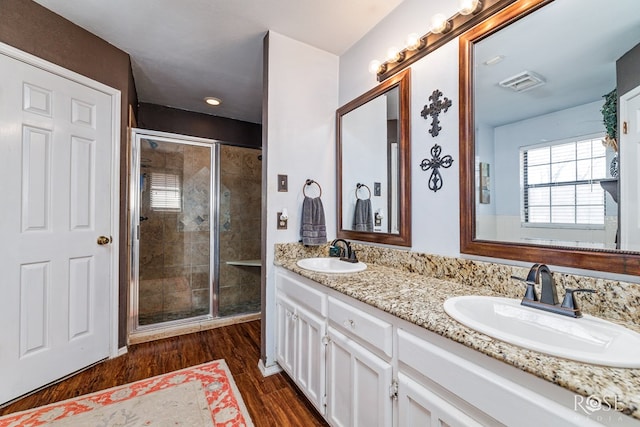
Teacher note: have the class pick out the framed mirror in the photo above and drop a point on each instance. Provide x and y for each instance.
(373, 172)
(540, 180)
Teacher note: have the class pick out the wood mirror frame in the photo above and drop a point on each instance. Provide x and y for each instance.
(622, 262)
(403, 238)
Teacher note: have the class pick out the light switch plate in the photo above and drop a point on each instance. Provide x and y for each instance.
(377, 191)
(283, 183)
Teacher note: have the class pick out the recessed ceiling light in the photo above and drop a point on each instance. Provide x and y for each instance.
(212, 101)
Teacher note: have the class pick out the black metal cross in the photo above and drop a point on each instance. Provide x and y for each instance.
(435, 180)
(434, 109)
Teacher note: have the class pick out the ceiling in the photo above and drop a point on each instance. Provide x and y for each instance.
(572, 44)
(183, 51)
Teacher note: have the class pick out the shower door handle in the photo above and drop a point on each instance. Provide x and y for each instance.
(104, 240)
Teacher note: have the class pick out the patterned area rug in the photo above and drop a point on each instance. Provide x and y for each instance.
(203, 395)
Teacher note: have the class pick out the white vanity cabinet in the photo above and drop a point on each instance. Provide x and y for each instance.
(450, 384)
(343, 347)
(364, 367)
(418, 406)
(301, 328)
(359, 370)
(357, 384)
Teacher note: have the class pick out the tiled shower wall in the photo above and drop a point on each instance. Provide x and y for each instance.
(240, 205)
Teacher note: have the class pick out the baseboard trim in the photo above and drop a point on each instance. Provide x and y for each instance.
(268, 370)
(122, 351)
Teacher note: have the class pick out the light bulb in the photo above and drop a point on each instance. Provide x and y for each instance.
(440, 24)
(392, 53)
(374, 66)
(467, 7)
(414, 42)
(395, 55)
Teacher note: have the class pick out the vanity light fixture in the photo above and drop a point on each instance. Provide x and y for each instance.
(212, 101)
(414, 42)
(442, 30)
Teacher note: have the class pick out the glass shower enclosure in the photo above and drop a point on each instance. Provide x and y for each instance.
(181, 208)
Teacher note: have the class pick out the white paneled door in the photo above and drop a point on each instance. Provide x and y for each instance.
(56, 142)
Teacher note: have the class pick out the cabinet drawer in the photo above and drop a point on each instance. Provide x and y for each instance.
(302, 294)
(355, 323)
(484, 390)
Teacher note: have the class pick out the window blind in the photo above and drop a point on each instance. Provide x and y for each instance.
(165, 192)
(561, 183)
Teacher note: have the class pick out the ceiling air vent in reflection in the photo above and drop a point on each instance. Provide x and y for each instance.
(523, 81)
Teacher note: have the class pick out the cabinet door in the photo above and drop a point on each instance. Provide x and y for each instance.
(285, 335)
(357, 385)
(419, 407)
(310, 356)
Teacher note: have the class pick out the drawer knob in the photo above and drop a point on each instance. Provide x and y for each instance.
(349, 324)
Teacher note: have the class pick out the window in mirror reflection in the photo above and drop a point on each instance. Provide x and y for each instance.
(561, 198)
(561, 184)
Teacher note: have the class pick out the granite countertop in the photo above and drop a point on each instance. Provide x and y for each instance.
(419, 299)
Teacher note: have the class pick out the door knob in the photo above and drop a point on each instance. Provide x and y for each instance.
(104, 240)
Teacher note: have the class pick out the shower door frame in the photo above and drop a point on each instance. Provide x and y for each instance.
(133, 326)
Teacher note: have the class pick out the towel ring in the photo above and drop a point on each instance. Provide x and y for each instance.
(309, 182)
(358, 187)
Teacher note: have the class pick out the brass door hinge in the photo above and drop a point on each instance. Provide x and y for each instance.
(624, 128)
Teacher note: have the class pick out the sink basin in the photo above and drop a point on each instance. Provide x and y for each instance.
(588, 339)
(330, 265)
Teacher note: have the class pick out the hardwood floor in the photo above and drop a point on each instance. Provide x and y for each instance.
(271, 401)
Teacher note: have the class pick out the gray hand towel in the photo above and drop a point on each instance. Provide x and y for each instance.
(312, 228)
(363, 216)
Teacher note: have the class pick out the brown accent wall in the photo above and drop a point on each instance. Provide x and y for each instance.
(167, 119)
(34, 29)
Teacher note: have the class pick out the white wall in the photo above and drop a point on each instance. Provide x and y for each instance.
(486, 223)
(436, 215)
(302, 93)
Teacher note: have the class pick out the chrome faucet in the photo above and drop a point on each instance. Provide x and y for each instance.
(540, 274)
(345, 254)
